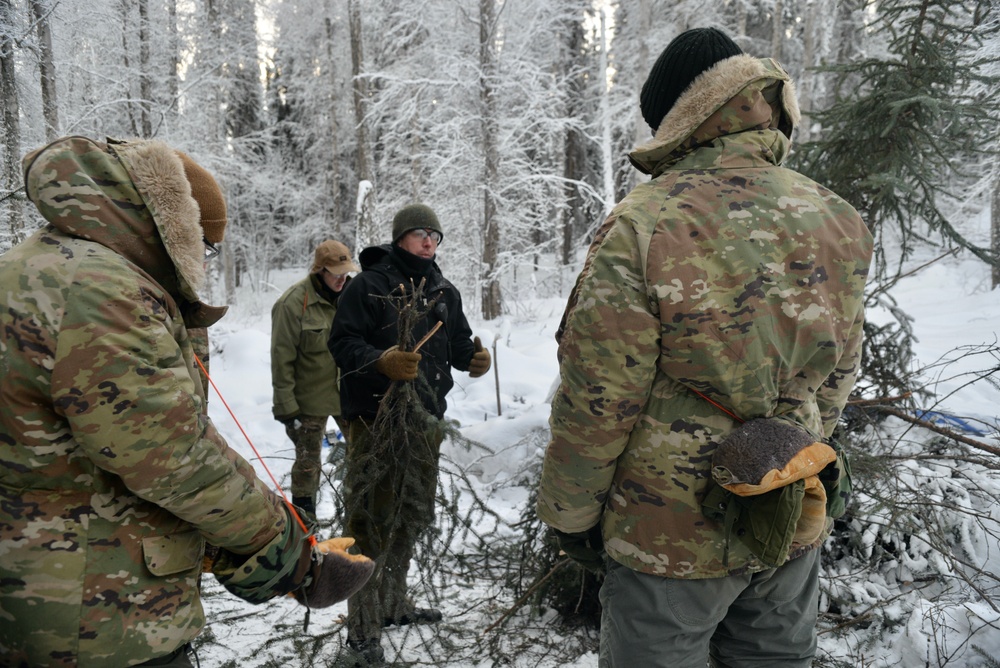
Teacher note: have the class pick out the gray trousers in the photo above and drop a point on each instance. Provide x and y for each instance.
(761, 620)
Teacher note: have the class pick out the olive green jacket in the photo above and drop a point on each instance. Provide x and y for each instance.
(304, 376)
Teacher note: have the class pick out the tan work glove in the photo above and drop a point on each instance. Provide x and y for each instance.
(766, 454)
(398, 364)
(334, 574)
(480, 362)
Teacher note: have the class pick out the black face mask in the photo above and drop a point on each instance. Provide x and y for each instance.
(323, 289)
(411, 265)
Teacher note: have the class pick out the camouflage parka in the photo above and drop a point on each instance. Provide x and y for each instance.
(727, 274)
(112, 478)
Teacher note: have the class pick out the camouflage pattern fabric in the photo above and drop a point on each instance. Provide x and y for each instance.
(278, 567)
(308, 441)
(112, 478)
(727, 274)
(202, 349)
(389, 503)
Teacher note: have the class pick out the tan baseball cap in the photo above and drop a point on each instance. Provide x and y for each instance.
(334, 257)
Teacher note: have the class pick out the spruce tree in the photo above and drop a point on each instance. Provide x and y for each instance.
(908, 121)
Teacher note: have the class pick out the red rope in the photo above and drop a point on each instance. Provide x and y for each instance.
(295, 513)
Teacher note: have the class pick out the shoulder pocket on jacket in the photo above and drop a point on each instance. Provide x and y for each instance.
(176, 553)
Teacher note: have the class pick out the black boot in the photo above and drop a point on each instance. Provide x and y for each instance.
(364, 653)
(415, 616)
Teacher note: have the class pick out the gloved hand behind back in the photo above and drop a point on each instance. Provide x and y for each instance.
(335, 574)
(585, 547)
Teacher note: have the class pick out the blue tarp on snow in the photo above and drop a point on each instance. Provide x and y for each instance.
(965, 425)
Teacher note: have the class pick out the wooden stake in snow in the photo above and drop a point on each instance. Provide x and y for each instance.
(496, 374)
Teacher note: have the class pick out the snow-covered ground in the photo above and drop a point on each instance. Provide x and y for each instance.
(950, 303)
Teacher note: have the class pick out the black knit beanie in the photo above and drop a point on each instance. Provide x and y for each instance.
(688, 55)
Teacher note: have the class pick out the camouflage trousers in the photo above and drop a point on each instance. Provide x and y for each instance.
(388, 504)
(308, 441)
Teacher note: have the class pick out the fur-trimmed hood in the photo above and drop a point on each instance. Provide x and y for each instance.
(134, 198)
(736, 94)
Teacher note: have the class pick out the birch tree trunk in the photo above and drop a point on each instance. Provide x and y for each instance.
(367, 232)
(127, 83)
(491, 301)
(217, 139)
(807, 82)
(777, 30)
(333, 177)
(416, 158)
(244, 108)
(173, 77)
(848, 23)
(47, 69)
(145, 85)
(995, 228)
(10, 179)
(575, 150)
(216, 133)
(741, 18)
(608, 167)
(644, 17)
(244, 103)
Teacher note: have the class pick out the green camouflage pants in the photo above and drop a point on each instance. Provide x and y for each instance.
(388, 503)
(755, 620)
(308, 441)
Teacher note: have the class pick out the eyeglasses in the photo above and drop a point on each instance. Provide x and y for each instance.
(334, 276)
(211, 250)
(422, 234)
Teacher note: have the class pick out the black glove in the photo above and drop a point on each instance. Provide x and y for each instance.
(290, 421)
(586, 548)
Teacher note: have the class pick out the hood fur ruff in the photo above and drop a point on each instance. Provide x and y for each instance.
(713, 88)
(158, 174)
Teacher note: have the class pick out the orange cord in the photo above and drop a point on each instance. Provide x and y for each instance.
(714, 403)
(295, 513)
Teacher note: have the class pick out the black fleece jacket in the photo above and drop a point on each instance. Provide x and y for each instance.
(367, 324)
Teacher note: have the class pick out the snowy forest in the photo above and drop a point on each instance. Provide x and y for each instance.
(512, 119)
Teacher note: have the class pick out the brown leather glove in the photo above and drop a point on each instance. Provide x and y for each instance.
(480, 362)
(334, 575)
(209, 558)
(398, 364)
